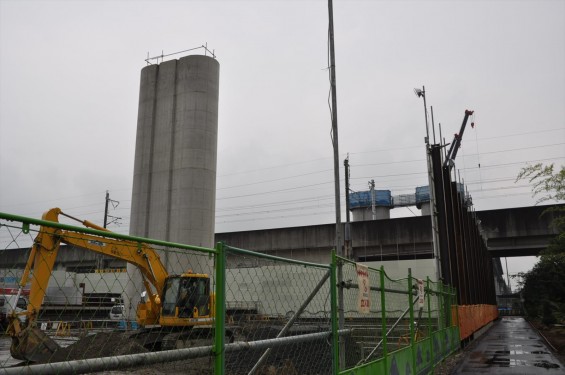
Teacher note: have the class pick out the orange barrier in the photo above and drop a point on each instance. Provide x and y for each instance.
(471, 318)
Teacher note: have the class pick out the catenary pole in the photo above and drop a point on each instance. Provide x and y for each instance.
(338, 241)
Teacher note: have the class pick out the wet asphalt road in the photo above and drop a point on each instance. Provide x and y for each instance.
(511, 346)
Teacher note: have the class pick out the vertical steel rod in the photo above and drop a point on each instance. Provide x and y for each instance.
(219, 340)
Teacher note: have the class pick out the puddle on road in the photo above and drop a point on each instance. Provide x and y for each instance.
(505, 362)
(546, 364)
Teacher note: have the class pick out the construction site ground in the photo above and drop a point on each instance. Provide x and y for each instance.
(313, 357)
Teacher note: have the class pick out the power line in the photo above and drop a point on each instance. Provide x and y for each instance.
(275, 179)
(513, 163)
(275, 191)
(278, 203)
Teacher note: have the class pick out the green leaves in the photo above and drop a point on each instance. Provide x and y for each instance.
(546, 183)
(543, 286)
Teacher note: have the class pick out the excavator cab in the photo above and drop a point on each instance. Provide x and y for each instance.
(186, 298)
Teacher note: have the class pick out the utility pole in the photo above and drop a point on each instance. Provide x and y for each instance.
(338, 240)
(348, 251)
(106, 208)
(508, 276)
(373, 209)
(114, 205)
(100, 257)
(433, 209)
(346, 165)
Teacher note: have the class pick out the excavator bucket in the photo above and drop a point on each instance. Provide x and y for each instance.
(32, 345)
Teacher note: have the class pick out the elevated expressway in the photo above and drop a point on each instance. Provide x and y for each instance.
(521, 231)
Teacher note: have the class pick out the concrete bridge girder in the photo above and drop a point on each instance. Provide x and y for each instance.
(509, 232)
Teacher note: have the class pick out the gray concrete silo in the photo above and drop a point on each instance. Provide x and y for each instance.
(174, 184)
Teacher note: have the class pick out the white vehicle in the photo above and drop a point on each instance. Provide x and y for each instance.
(117, 312)
(8, 304)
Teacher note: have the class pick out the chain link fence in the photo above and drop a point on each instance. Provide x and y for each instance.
(269, 298)
(82, 299)
(70, 293)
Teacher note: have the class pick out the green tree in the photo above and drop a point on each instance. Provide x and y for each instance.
(548, 185)
(543, 286)
(544, 289)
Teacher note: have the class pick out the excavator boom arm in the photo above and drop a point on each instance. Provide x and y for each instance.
(47, 246)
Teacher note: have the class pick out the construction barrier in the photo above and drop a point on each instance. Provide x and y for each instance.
(471, 318)
(63, 329)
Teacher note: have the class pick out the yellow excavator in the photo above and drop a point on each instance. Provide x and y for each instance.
(170, 301)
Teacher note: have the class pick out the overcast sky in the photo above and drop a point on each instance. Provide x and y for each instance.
(69, 81)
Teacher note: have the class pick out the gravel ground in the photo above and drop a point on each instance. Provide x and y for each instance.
(448, 365)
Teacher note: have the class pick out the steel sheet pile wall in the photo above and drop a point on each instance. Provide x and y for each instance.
(465, 261)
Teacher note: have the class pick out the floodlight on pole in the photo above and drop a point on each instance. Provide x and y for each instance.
(422, 94)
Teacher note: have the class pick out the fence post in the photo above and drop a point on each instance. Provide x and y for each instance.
(429, 298)
(219, 353)
(383, 314)
(333, 296)
(442, 308)
(438, 307)
(411, 309)
(455, 302)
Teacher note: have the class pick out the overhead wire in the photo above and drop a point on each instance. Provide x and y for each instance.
(391, 149)
(275, 179)
(85, 207)
(303, 209)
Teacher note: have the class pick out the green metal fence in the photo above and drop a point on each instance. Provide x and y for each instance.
(273, 315)
(406, 329)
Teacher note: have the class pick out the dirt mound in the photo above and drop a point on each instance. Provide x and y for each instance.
(105, 344)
